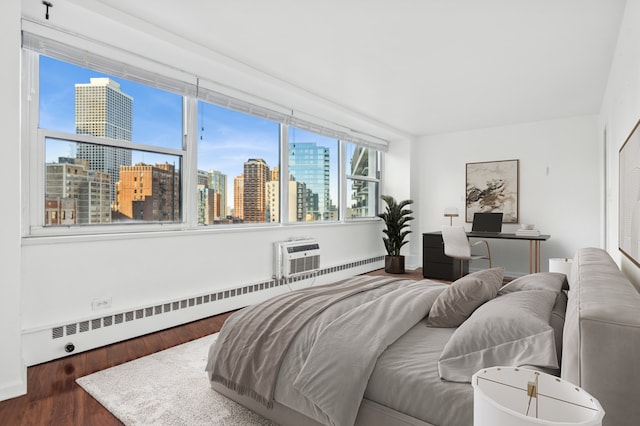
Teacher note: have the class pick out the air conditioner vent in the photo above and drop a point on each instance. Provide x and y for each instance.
(303, 247)
(295, 257)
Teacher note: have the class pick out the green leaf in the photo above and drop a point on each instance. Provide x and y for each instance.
(396, 218)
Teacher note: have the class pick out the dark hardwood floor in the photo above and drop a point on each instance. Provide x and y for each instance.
(54, 398)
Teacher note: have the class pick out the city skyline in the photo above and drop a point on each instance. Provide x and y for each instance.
(226, 138)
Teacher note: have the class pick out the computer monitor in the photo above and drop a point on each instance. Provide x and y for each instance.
(487, 222)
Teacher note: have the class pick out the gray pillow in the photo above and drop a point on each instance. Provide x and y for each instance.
(539, 281)
(510, 330)
(552, 281)
(462, 297)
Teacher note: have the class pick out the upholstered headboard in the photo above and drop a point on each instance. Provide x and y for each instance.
(601, 341)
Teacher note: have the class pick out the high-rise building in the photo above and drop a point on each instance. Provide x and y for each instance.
(203, 178)
(256, 175)
(297, 201)
(218, 182)
(103, 110)
(362, 204)
(149, 193)
(238, 197)
(297, 208)
(207, 200)
(212, 197)
(310, 164)
(76, 195)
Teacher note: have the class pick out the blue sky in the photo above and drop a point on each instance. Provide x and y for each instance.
(226, 139)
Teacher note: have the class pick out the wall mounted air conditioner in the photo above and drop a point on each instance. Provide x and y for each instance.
(295, 257)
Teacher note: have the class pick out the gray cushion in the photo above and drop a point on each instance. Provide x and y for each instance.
(552, 281)
(539, 281)
(510, 330)
(462, 297)
(601, 345)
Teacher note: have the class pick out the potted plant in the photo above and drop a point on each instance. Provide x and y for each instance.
(396, 218)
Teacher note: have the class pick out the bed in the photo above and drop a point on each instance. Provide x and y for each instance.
(391, 351)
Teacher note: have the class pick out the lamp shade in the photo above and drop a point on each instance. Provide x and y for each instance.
(512, 396)
(451, 212)
(562, 265)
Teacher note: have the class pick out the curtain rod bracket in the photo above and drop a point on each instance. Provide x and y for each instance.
(47, 5)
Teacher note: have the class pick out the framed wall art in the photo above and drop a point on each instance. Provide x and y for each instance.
(493, 187)
(629, 197)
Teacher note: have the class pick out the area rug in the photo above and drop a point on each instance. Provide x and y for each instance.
(167, 388)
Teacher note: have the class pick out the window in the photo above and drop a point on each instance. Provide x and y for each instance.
(109, 146)
(362, 167)
(78, 100)
(101, 134)
(313, 175)
(238, 167)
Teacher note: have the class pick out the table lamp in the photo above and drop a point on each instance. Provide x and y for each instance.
(451, 212)
(512, 396)
(562, 265)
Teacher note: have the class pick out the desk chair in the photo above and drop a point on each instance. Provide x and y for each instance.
(457, 246)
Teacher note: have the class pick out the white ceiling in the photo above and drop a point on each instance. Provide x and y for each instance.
(419, 66)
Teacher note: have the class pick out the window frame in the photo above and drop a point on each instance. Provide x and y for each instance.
(372, 179)
(206, 96)
(37, 191)
(34, 151)
(33, 146)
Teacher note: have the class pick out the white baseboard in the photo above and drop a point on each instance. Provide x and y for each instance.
(15, 388)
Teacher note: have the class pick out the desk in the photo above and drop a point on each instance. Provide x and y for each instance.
(534, 245)
(436, 265)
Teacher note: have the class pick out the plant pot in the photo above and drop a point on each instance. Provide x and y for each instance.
(394, 264)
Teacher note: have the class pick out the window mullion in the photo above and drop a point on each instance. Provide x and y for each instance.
(97, 140)
(342, 181)
(190, 171)
(33, 153)
(365, 178)
(284, 173)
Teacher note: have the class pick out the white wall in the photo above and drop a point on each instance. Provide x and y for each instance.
(398, 182)
(620, 113)
(60, 280)
(12, 372)
(560, 189)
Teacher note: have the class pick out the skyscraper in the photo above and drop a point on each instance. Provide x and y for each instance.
(218, 182)
(256, 174)
(297, 207)
(238, 197)
(310, 164)
(76, 195)
(103, 110)
(362, 200)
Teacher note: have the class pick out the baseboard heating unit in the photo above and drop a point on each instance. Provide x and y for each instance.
(45, 343)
